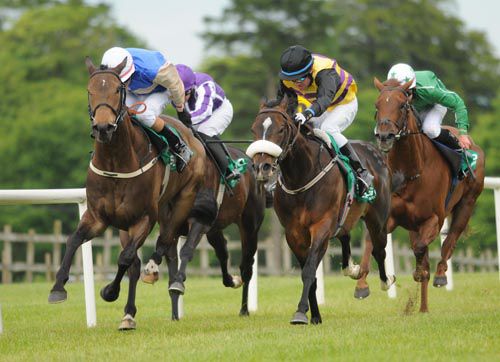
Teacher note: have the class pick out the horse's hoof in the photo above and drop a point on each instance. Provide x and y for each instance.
(175, 318)
(237, 282)
(57, 296)
(127, 323)
(361, 293)
(244, 313)
(149, 278)
(316, 320)
(352, 271)
(177, 287)
(440, 281)
(299, 318)
(108, 294)
(391, 279)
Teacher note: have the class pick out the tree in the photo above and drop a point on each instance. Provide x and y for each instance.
(44, 102)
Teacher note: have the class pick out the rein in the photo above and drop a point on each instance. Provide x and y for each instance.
(287, 147)
(120, 115)
(408, 107)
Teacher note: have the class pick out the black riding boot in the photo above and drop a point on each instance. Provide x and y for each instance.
(222, 156)
(177, 146)
(448, 139)
(364, 177)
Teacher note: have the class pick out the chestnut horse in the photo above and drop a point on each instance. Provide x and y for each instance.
(311, 195)
(420, 204)
(215, 210)
(127, 188)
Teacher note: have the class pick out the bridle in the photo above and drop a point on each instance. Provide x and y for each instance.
(289, 139)
(122, 110)
(406, 108)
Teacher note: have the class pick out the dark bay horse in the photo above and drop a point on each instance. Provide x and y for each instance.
(420, 205)
(243, 206)
(310, 197)
(127, 188)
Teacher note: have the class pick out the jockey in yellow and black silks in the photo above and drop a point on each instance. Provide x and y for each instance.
(325, 94)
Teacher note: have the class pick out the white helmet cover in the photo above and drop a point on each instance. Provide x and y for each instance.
(403, 73)
(114, 56)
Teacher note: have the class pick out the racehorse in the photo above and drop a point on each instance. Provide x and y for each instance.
(244, 206)
(426, 194)
(127, 187)
(311, 196)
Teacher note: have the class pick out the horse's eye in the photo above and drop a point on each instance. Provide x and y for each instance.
(281, 130)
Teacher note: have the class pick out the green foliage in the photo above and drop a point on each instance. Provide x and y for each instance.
(44, 103)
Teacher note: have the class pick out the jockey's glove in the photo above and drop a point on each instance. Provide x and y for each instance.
(185, 118)
(304, 116)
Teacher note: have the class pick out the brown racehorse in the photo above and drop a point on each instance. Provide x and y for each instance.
(127, 188)
(310, 213)
(420, 203)
(244, 206)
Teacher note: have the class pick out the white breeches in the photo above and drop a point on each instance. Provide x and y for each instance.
(337, 120)
(432, 119)
(218, 121)
(155, 103)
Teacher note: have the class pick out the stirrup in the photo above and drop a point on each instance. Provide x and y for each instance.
(233, 175)
(183, 155)
(364, 179)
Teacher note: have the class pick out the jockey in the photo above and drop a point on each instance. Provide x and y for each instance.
(151, 79)
(431, 99)
(328, 94)
(210, 112)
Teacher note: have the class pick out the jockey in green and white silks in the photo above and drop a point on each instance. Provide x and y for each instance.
(431, 99)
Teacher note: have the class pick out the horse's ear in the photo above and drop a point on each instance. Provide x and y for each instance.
(378, 84)
(263, 102)
(90, 65)
(284, 103)
(407, 84)
(118, 69)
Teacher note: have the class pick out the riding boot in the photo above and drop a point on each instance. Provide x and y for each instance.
(221, 155)
(448, 139)
(364, 177)
(177, 146)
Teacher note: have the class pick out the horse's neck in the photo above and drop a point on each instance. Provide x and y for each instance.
(408, 154)
(298, 164)
(122, 150)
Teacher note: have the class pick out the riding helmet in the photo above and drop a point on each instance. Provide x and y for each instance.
(403, 73)
(114, 56)
(296, 62)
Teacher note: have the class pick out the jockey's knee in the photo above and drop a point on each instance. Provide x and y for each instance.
(431, 130)
(339, 138)
(150, 120)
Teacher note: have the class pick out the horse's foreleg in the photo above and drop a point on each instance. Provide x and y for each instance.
(172, 264)
(137, 233)
(134, 271)
(87, 229)
(319, 243)
(313, 304)
(248, 249)
(420, 242)
(186, 254)
(461, 215)
(362, 289)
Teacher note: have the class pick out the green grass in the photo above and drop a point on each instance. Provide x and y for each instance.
(463, 325)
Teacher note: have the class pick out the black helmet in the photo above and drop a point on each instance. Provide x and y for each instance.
(296, 62)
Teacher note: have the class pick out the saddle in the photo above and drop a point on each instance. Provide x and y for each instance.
(461, 162)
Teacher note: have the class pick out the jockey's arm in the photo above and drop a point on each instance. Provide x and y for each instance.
(204, 102)
(438, 94)
(280, 94)
(328, 82)
(168, 77)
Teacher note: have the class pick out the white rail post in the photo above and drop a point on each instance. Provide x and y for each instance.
(497, 222)
(252, 285)
(88, 275)
(389, 265)
(449, 272)
(180, 243)
(320, 284)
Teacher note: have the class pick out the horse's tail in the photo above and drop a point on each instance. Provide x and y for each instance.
(398, 180)
(205, 208)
